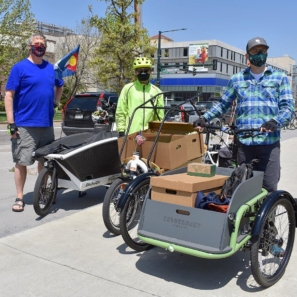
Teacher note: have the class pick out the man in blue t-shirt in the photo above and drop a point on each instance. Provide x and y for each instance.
(31, 94)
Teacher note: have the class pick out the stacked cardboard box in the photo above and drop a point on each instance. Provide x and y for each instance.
(182, 188)
(177, 144)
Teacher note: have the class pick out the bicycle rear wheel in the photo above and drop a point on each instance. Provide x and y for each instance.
(292, 124)
(130, 216)
(271, 252)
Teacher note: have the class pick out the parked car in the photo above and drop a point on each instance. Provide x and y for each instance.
(77, 113)
(207, 105)
(187, 114)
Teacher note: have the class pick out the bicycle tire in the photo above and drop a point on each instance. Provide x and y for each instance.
(130, 215)
(43, 196)
(111, 217)
(268, 261)
(292, 124)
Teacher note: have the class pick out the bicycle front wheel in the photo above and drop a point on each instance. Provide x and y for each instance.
(271, 253)
(111, 217)
(130, 216)
(45, 191)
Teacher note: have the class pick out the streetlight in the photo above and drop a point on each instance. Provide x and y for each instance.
(159, 53)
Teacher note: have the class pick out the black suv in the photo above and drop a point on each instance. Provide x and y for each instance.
(77, 113)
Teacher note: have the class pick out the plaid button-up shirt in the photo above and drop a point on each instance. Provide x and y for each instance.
(257, 102)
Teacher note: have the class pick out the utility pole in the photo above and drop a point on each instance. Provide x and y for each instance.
(159, 54)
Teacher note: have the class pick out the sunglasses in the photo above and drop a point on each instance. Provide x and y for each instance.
(145, 70)
(255, 50)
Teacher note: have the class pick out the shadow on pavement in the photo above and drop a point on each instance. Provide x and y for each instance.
(69, 200)
(198, 273)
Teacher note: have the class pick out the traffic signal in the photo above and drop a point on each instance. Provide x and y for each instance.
(194, 71)
(214, 64)
(199, 90)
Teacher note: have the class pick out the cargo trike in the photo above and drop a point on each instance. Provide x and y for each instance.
(256, 221)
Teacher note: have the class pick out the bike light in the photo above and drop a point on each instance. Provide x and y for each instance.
(171, 249)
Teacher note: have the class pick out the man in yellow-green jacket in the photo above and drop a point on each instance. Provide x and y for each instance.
(136, 93)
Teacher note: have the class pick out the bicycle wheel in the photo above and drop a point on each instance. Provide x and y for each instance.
(292, 124)
(45, 191)
(130, 215)
(111, 217)
(271, 252)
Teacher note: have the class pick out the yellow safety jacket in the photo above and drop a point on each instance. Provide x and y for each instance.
(133, 95)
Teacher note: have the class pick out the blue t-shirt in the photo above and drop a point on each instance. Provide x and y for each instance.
(33, 85)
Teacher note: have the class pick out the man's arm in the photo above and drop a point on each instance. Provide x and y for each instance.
(286, 102)
(8, 101)
(160, 103)
(58, 94)
(122, 112)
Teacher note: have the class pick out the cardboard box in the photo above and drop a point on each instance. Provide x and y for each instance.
(174, 147)
(129, 147)
(178, 197)
(180, 128)
(182, 189)
(200, 169)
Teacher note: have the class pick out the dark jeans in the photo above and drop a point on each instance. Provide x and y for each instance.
(269, 156)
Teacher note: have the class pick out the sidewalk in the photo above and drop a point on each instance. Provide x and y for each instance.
(75, 256)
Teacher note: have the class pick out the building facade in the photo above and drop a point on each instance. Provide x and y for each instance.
(211, 63)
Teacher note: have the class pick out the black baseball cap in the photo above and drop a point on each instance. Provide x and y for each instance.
(256, 41)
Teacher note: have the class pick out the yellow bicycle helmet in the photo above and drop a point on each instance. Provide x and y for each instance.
(142, 62)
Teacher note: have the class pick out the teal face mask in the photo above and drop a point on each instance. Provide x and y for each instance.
(258, 59)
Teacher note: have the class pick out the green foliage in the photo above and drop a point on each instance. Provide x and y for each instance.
(84, 78)
(16, 26)
(122, 41)
(2, 106)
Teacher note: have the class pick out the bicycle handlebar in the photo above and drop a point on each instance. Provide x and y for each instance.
(231, 130)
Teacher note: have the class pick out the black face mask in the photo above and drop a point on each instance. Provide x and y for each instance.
(258, 59)
(143, 76)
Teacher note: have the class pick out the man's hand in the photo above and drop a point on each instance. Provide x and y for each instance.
(199, 124)
(12, 129)
(269, 126)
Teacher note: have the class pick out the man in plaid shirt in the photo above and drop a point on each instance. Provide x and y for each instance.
(265, 101)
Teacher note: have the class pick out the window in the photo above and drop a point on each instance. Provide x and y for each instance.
(221, 52)
(185, 51)
(166, 53)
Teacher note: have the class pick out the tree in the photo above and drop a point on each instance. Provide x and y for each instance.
(84, 78)
(122, 41)
(16, 26)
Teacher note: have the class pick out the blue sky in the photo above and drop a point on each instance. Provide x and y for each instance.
(230, 21)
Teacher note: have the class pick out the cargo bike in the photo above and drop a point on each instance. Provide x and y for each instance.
(80, 161)
(110, 210)
(256, 221)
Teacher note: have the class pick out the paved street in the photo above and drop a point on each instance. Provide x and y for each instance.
(70, 253)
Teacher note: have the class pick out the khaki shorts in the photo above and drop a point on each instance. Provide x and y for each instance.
(28, 140)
